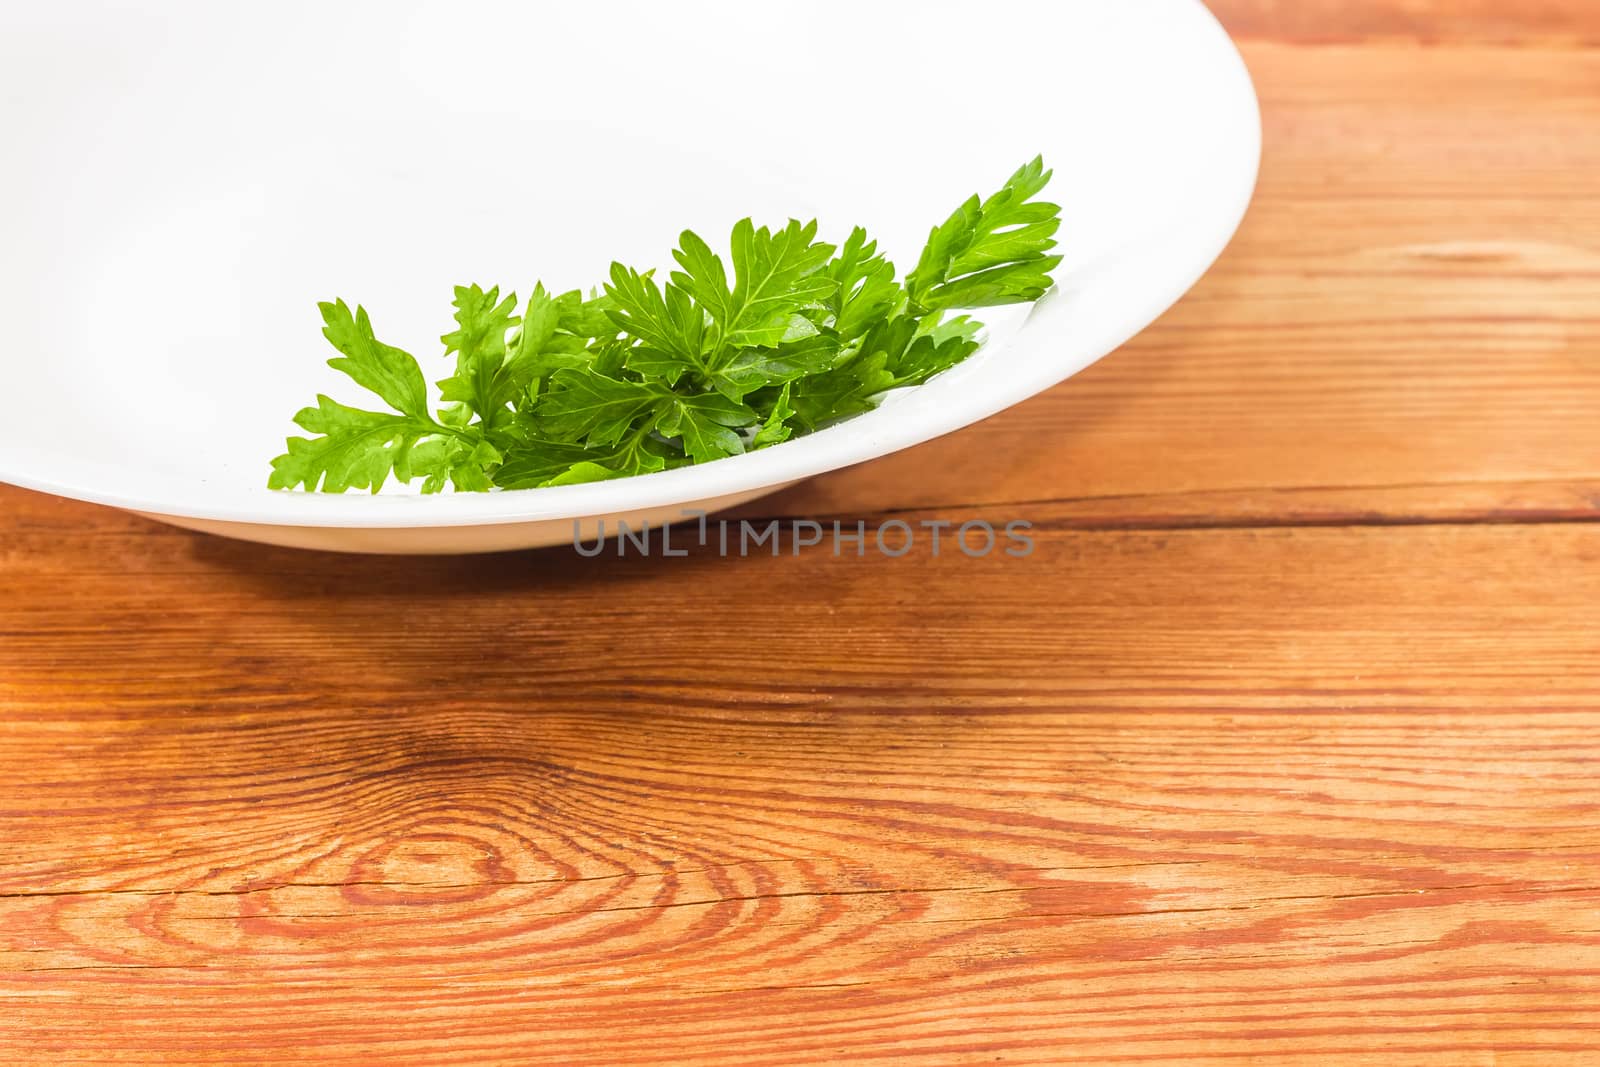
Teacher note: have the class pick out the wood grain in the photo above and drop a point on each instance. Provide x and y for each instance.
(1224, 802)
(1280, 747)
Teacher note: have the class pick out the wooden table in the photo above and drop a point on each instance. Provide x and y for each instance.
(1282, 745)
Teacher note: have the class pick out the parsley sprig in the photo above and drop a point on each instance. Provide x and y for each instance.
(788, 335)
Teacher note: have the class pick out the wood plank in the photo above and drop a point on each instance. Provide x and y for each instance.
(1314, 795)
(1545, 23)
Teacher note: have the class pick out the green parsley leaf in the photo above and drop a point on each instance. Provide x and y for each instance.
(775, 429)
(992, 251)
(589, 406)
(360, 449)
(705, 424)
(866, 289)
(540, 463)
(937, 349)
(670, 327)
(753, 368)
(846, 390)
(775, 276)
(387, 371)
(480, 385)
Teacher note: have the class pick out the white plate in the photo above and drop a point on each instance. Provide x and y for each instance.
(184, 181)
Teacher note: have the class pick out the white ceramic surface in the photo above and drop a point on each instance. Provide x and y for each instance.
(185, 180)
